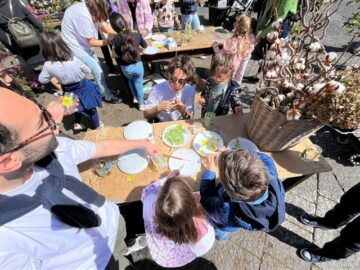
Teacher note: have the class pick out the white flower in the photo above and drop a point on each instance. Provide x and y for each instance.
(277, 24)
(272, 36)
(271, 74)
(315, 46)
(299, 86)
(299, 66)
(290, 95)
(316, 88)
(334, 87)
(293, 114)
(282, 98)
(288, 84)
(270, 54)
(331, 56)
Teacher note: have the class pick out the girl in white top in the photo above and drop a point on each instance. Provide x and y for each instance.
(70, 72)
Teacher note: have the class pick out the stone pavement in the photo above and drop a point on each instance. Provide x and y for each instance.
(257, 250)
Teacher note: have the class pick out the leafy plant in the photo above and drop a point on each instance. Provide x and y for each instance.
(352, 26)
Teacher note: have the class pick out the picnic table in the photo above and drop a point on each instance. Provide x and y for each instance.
(119, 187)
(201, 43)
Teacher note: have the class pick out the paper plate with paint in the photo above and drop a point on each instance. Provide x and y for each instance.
(190, 164)
(133, 161)
(242, 143)
(207, 143)
(151, 50)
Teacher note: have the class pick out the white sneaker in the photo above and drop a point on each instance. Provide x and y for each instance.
(140, 243)
(135, 101)
(141, 107)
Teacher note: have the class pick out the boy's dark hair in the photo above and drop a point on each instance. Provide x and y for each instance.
(130, 50)
(99, 9)
(243, 174)
(8, 139)
(54, 48)
(186, 65)
(221, 63)
(175, 211)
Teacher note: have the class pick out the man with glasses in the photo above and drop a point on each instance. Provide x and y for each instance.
(49, 219)
(173, 99)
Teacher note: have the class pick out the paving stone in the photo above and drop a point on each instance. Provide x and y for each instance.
(281, 251)
(351, 263)
(253, 242)
(229, 256)
(329, 187)
(269, 263)
(306, 190)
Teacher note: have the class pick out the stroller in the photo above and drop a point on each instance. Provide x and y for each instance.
(235, 8)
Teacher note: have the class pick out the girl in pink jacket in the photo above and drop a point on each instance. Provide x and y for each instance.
(138, 14)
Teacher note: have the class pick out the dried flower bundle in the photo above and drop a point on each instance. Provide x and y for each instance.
(298, 73)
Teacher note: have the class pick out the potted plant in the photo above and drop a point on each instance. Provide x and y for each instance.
(297, 72)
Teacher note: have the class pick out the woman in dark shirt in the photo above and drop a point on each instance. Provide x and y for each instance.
(127, 47)
(31, 55)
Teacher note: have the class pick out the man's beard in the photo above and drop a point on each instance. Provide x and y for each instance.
(33, 155)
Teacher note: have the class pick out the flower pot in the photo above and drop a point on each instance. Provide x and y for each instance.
(270, 130)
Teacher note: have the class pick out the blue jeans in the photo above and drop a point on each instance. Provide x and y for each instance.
(94, 64)
(135, 75)
(192, 19)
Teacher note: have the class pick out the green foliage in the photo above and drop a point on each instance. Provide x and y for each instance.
(352, 26)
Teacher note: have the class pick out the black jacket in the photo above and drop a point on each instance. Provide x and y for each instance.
(231, 98)
(188, 7)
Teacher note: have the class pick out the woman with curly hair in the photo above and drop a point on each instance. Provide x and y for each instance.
(174, 99)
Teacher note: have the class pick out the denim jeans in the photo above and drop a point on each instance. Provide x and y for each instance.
(192, 19)
(94, 64)
(135, 75)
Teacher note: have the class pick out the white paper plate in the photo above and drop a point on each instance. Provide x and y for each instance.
(242, 143)
(207, 142)
(148, 36)
(158, 37)
(138, 130)
(187, 136)
(133, 161)
(151, 50)
(158, 44)
(189, 167)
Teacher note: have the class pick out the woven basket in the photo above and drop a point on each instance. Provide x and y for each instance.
(271, 131)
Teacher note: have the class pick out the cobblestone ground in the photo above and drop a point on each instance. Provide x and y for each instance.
(246, 250)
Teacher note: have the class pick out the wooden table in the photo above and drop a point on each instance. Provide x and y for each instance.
(200, 43)
(117, 186)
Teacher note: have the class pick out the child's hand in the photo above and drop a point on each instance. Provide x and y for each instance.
(201, 101)
(210, 163)
(238, 110)
(156, 25)
(144, 32)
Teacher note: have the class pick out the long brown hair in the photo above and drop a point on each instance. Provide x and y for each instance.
(221, 63)
(53, 47)
(242, 28)
(99, 9)
(186, 65)
(175, 210)
(130, 50)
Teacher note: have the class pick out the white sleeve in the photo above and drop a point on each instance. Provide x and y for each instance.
(76, 150)
(84, 68)
(16, 260)
(153, 99)
(189, 99)
(85, 27)
(44, 76)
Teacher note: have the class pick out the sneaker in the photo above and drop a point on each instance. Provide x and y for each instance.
(135, 101)
(140, 243)
(78, 127)
(113, 99)
(312, 221)
(141, 107)
(312, 255)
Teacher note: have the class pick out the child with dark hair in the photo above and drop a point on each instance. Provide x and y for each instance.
(176, 229)
(250, 194)
(220, 92)
(127, 47)
(165, 16)
(70, 72)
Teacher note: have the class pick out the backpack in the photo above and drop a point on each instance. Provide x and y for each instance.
(21, 32)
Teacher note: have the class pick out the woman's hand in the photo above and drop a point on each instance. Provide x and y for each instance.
(151, 149)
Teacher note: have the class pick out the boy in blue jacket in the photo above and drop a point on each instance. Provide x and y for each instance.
(249, 194)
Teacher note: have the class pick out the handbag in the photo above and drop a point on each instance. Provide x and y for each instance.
(21, 32)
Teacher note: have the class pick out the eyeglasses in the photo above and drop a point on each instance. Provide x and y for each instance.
(52, 126)
(179, 81)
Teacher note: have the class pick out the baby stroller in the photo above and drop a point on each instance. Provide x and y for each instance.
(235, 8)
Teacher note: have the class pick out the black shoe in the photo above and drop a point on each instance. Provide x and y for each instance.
(312, 255)
(313, 221)
(113, 100)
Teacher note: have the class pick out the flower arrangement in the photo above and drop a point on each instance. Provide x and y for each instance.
(52, 6)
(298, 73)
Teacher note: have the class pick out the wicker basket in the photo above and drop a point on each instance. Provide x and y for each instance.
(271, 131)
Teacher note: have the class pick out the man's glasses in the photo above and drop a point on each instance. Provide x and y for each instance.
(179, 81)
(52, 126)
